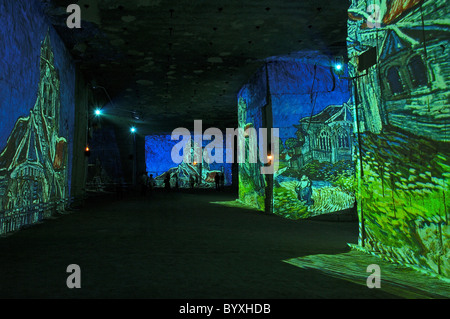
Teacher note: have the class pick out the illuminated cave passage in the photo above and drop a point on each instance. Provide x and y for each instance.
(212, 150)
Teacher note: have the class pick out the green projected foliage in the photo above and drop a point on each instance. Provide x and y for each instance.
(252, 183)
(402, 104)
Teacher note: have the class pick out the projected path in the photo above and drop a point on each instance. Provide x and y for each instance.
(176, 245)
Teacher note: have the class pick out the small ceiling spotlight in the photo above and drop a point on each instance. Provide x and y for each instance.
(133, 129)
(339, 65)
(98, 112)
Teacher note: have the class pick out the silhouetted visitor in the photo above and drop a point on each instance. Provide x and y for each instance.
(217, 180)
(144, 182)
(151, 184)
(167, 182)
(176, 181)
(222, 180)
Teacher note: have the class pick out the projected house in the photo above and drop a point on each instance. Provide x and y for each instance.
(412, 72)
(403, 103)
(329, 136)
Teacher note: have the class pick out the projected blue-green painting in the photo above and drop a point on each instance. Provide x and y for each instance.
(402, 103)
(302, 97)
(310, 106)
(188, 174)
(252, 100)
(34, 161)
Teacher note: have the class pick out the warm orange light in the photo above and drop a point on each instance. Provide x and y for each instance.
(87, 149)
(269, 157)
(195, 163)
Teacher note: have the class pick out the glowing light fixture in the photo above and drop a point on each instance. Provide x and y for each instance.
(98, 112)
(338, 65)
(133, 129)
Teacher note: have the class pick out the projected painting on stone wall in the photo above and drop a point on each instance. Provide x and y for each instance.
(188, 174)
(316, 172)
(310, 107)
(404, 120)
(33, 163)
(252, 100)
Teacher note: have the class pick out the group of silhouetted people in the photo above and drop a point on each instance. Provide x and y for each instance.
(147, 184)
(193, 181)
(167, 185)
(171, 181)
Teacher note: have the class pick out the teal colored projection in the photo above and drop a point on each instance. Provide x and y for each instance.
(37, 108)
(33, 164)
(251, 114)
(402, 106)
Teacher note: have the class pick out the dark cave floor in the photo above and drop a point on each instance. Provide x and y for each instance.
(181, 245)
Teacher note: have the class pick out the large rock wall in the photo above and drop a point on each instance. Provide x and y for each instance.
(37, 104)
(402, 103)
(307, 102)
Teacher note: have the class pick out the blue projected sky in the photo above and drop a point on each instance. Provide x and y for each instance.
(300, 90)
(158, 150)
